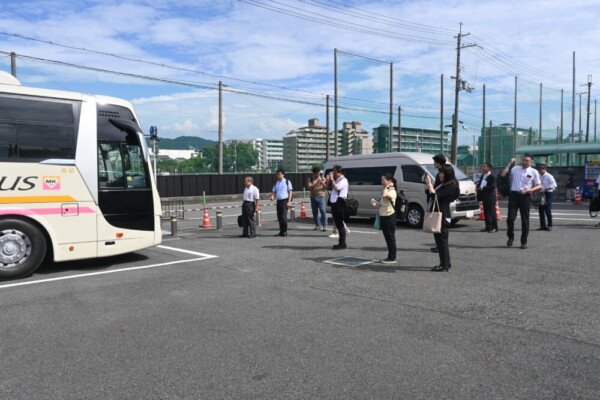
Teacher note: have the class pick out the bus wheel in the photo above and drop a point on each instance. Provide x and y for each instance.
(22, 248)
(414, 216)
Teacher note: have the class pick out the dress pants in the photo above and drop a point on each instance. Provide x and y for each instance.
(441, 240)
(337, 212)
(282, 215)
(388, 227)
(546, 211)
(489, 210)
(248, 209)
(521, 203)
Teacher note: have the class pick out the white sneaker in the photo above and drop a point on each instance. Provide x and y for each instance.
(347, 230)
(334, 235)
(324, 229)
(316, 228)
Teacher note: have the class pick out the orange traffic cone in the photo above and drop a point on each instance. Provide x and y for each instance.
(498, 215)
(206, 222)
(481, 214)
(577, 196)
(302, 210)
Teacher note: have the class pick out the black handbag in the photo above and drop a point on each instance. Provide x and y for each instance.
(401, 205)
(538, 198)
(240, 221)
(350, 208)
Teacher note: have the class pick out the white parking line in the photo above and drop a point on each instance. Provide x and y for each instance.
(64, 278)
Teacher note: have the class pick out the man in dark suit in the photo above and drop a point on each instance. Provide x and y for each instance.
(486, 193)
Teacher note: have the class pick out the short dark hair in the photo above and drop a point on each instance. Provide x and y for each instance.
(542, 166)
(489, 165)
(440, 159)
(527, 155)
(316, 169)
(448, 172)
(338, 169)
(280, 171)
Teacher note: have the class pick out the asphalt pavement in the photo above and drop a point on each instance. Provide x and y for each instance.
(209, 315)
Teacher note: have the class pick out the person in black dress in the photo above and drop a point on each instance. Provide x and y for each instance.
(447, 191)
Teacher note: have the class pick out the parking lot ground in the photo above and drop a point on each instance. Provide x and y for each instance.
(268, 318)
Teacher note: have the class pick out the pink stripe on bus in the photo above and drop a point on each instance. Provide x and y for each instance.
(45, 211)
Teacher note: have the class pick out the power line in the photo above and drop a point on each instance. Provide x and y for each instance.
(328, 21)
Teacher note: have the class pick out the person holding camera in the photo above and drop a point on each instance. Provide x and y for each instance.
(387, 215)
(339, 194)
(316, 185)
(446, 192)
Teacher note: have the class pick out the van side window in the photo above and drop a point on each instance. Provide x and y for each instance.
(367, 176)
(412, 173)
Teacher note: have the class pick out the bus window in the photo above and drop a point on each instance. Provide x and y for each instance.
(8, 141)
(110, 166)
(134, 167)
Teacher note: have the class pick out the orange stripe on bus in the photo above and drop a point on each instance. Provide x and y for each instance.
(36, 199)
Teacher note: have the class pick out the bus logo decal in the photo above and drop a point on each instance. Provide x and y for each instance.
(51, 182)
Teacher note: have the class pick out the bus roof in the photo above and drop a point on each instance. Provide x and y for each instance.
(419, 158)
(11, 85)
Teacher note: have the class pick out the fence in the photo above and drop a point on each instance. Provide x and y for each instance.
(195, 185)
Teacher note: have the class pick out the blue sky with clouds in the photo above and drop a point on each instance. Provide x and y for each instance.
(531, 39)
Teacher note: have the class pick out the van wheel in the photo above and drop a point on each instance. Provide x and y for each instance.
(22, 248)
(414, 216)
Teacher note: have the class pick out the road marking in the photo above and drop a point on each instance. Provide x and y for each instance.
(352, 231)
(64, 278)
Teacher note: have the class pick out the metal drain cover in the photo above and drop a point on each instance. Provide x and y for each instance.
(349, 261)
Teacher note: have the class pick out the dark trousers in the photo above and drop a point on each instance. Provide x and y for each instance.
(248, 209)
(337, 212)
(489, 210)
(521, 203)
(441, 240)
(546, 211)
(282, 215)
(388, 227)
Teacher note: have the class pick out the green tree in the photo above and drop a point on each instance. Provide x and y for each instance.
(167, 166)
(239, 157)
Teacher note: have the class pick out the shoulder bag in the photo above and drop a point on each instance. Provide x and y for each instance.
(432, 221)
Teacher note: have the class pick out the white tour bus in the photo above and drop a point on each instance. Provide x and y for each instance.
(75, 178)
(364, 176)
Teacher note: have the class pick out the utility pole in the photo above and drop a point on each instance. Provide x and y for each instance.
(459, 83)
(580, 131)
(392, 109)
(587, 123)
(595, 126)
(442, 114)
(327, 128)
(220, 128)
(540, 114)
(483, 135)
(514, 146)
(491, 145)
(562, 120)
(572, 111)
(335, 103)
(399, 129)
(13, 64)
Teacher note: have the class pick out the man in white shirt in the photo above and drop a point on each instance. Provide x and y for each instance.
(338, 196)
(249, 208)
(524, 180)
(548, 187)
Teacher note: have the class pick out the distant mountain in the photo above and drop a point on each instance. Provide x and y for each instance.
(184, 143)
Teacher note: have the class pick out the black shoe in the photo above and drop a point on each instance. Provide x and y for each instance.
(509, 243)
(549, 228)
(523, 246)
(339, 247)
(252, 237)
(244, 236)
(439, 268)
(389, 261)
(542, 228)
(484, 230)
(284, 234)
(434, 250)
(493, 231)
(278, 234)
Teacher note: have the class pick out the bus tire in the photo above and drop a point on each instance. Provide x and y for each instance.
(414, 216)
(22, 248)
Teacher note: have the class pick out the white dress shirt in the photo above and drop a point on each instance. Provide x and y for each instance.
(548, 182)
(523, 178)
(342, 189)
(484, 180)
(251, 193)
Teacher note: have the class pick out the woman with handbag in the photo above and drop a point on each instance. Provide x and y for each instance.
(444, 194)
(387, 215)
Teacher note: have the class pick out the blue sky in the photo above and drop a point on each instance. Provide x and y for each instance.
(532, 39)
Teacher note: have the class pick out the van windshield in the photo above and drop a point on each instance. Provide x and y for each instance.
(459, 174)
